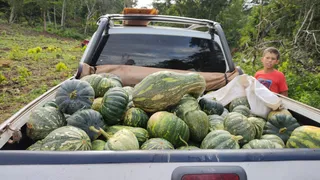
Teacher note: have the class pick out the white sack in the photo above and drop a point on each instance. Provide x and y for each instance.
(260, 98)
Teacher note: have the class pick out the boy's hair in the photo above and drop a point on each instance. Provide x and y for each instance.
(272, 50)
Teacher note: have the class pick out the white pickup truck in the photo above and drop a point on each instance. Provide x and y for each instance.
(166, 42)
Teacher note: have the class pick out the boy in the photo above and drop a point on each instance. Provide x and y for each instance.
(273, 79)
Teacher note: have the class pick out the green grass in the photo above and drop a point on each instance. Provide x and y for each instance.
(31, 63)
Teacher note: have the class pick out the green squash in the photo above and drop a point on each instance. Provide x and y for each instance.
(259, 144)
(168, 126)
(74, 95)
(187, 103)
(279, 111)
(216, 122)
(156, 144)
(278, 142)
(87, 120)
(225, 112)
(101, 83)
(141, 133)
(238, 124)
(36, 146)
(97, 104)
(198, 124)
(210, 106)
(304, 137)
(159, 90)
(136, 117)
(220, 139)
(238, 101)
(44, 120)
(51, 103)
(188, 148)
(281, 125)
(66, 138)
(98, 145)
(121, 141)
(114, 105)
(129, 91)
(242, 109)
(258, 124)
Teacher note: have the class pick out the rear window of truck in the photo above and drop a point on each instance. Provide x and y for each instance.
(163, 51)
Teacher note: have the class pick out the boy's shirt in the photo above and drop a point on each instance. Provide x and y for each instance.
(275, 81)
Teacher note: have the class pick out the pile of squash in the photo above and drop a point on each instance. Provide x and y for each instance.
(164, 111)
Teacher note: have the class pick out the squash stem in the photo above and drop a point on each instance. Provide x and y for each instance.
(184, 142)
(282, 130)
(100, 131)
(73, 94)
(237, 138)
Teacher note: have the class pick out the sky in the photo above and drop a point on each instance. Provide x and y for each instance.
(144, 3)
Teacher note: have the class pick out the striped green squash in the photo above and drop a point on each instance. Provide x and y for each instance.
(304, 137)
(129, 91)
(156, 144)
(101, 83)
(275, 139)
(97, 104)
(238, 124)
(188, 148)
(258, 124)
(66, 138)
(51, 103)
(159, 90)
(74, 95)
(281, 125)
(259, 144)
(122, 140)
(87, 120)
(98, 145)
(238, 101)
(242, 109)
(198, 124)
(187, 103)
(114, 105)
(168, 126)
(136, 117)
(44, 120)
(216, 122)
(141, 134)
(220, 139)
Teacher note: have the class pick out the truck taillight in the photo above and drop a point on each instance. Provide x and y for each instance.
(210, 177)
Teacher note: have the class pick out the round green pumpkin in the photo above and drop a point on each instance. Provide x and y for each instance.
(42, 121)
(66, 138)
(281, 125)
(187, 103)
(156, 144)
(216, 122)
(101, 83)
(238, 124)
(198, 124)
(136, 117)
(88, 120)
(98, 145)
(210, 106)
(121, 141)
(114, 105)
(259, 144)
(220, 139)
(74, 95)
(258, 124)
(238, 101)
(275, 139)
(242, 109)
(304, 137)
(168, 126)
(141, 133)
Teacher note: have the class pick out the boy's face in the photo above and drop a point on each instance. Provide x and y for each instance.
(269, 60)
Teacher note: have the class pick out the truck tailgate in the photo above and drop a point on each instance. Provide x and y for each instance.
(245, 164)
